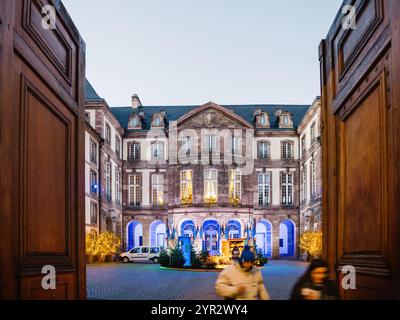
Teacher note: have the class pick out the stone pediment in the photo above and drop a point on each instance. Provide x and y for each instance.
(212, 116)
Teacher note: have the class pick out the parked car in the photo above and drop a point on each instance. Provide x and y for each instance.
(141, 254)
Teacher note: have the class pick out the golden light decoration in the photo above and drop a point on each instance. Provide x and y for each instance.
(311, 242)
(235, 201)
(102, 245)
(187, 199)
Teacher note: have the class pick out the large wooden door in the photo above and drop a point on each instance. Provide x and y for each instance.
(42, 152)
(360, 72)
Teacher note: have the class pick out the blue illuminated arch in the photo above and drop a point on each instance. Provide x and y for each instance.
(134, 237)
(211, 236)
(188, 228)
(287, 239)
(155, 233)
(264, 231)
(235, 227)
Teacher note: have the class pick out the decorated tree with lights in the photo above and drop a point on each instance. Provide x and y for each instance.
(102, 245)
(311, 242)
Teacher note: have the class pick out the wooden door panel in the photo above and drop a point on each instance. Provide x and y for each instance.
(363, 174)
(58, 49)
(359, 97)
(42, 145)
(47, 149)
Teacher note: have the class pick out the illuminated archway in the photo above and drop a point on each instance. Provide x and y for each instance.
(287, 238)
(158, 234)
(211, 236)
(134, 235)
(264, 237)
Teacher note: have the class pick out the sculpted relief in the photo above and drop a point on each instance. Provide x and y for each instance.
(211, 119)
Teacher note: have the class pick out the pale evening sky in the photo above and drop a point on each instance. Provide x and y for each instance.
(189, 52)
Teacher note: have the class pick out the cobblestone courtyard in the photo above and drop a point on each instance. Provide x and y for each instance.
(149, 282)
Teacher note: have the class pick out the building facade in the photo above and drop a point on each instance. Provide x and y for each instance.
(211, 173)
(309, 132)
(104, 182)
(93, 143)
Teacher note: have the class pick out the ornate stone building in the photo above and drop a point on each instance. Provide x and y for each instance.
(104, 161)
(309, 132)
(209, 172)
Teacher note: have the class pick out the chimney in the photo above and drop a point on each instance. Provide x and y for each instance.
(136, 102)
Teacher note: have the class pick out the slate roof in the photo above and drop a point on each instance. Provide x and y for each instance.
(173, 113)
(90, 93)
(122, 114)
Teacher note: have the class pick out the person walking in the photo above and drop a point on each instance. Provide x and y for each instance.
(242, 281)
(315, 284)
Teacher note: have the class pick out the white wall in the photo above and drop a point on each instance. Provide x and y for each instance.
(276, 146)
(145, 148)
(307, 130)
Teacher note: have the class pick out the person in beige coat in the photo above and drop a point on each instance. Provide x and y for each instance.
(242, 281)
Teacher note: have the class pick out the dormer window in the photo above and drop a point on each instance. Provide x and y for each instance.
(158, 121)
(134, 122)
(285, 120)
(262, 120)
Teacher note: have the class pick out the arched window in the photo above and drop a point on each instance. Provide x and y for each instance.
(134, 235)
(188, 229)
(233, 229)
(157, 234)
(287, 239)
(211, 232)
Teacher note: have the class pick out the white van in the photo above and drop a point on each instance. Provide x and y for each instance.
(141, 254)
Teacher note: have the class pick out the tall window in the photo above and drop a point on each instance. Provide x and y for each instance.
(211, 141)
(263, 149)
(187, 146)
(135, 190)
(187, 187)
(93, 182)
(108, 134)
(93, 151)
(264, 189)
(118, 146)
(287, 189)
(117, 185)
(134, 151)
(313, 136)
(313, 178)
(304, 183)
(93, 213)
(157, 189)
(235, 184)
(211, 185)
(303, 145)
(287, 152)
(157, 151)
(235, 145)
(108, 181)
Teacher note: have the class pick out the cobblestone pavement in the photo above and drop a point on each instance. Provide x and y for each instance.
(149, 282)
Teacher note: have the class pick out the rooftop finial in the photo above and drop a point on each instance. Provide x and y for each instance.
(136, 102)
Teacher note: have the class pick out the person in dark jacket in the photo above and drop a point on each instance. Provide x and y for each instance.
(314, 284)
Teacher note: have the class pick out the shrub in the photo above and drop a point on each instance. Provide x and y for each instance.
(164, 258)
(195, 259)
(207, 261)
(177, 258)
(261, 260)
